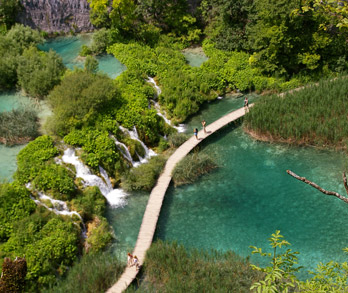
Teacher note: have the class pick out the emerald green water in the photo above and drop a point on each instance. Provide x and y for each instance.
(68, 48)
(249, 197)
(195, 59)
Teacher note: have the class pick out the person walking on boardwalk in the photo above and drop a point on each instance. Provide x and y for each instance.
(203, 124)
(195, 132)
(246, 104)
(136, 262)
(129, 259)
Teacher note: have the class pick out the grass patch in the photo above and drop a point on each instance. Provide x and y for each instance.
(192, 167)
(169, 267)
(92, 273)
(18, 126)
(315, 115)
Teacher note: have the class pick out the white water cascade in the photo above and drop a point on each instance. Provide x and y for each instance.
(181, 127)
(59, 207)
(157, 88)
(115, 197)
(124, 151)
(134, 135)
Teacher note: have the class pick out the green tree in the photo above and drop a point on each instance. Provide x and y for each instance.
(123, 15)
(91, 64)
(226, 22)
(8, 12)
(38, 72)
(99, 12)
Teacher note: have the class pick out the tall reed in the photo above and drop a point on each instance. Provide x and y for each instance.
(18, 126)
(169, 267)
(314, 115)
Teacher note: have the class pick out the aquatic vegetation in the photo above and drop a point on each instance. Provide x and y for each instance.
(313, 115)
(18, 126)
(169, 267)
(91, 273)
(192, 167)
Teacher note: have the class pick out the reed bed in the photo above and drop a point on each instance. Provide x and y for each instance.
(92, 273)
(18, 126)
(315, 115)
(169, 267)
(192, 167)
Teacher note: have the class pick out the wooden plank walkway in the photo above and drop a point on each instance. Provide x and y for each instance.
(153, 208)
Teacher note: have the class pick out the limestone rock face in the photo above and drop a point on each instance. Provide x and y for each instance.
(56, 15)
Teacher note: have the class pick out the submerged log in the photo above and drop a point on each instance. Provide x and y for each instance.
(332, 193)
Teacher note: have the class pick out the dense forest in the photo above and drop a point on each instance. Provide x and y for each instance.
(266, 46)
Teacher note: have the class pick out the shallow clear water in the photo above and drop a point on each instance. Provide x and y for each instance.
(12, 100)
(195, 59)
(68, 48)
(249, 197)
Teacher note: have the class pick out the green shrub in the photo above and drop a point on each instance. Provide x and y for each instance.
(15, 204)
(144, 176)
(191, 167)
(92, 273)
(99, 235)
(33, 157)
(89, 203)
(56, 178)
(85, 51)
(177, 139)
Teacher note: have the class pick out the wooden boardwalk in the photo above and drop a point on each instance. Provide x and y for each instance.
(153, 208)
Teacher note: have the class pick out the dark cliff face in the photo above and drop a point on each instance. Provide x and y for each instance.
(56, 15)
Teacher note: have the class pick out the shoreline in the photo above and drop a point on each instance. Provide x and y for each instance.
(290, 141)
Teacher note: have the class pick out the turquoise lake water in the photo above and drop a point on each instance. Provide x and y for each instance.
(68, 48)
(195, 59)
(248, 197)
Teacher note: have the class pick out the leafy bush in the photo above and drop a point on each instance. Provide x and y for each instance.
(57, 179)
(144, 177)
(48, 243)
(191, 167)
(98, 235)
(98, 148)
(89, 203)
(78, 100)
(33, 157)
(169, 267)
(18, 126)
(92, 273)
(38, 72)
(15, 204)
(177, 139)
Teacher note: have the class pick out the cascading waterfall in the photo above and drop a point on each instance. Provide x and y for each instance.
(181, 127)
(134, 135)
(115, 197)
(124, 151)
(157, 88)
(59, 207)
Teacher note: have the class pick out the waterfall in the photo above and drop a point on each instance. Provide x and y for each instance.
(114, 197)
(124, 151)
(59, 207)
(180, 128)
(152, 81)
(134, 135)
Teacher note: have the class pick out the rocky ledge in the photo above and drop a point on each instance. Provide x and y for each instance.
(56, 15)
